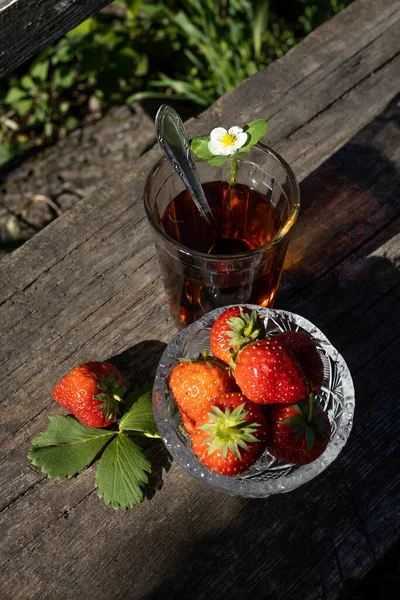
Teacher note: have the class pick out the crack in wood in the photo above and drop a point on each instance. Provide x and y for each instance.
(383, 348)
(81, 292)
(343, 96)
(360, 520)
(22, 427)
(329, 73)
(50, 524)
(276, 523)
(137, 301)
(18, 497)
(72, 250)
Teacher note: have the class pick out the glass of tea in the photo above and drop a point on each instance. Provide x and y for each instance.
(202, 271)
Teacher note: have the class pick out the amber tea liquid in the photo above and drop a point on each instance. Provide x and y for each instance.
(247, 220)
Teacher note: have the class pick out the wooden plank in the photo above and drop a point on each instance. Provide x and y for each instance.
(28, 26)
(193, 537)
(359, 294)
(288, 85)
(51, 285)
(81, 288)
(14, 313)
(355, 167)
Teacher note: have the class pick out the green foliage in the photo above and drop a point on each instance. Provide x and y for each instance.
(217, 45)
(315, 12)
(192, 52)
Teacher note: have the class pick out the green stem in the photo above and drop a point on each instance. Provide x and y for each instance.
(310, 406)
(149, 436)
(234, 168)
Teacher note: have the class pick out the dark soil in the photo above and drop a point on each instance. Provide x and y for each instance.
(45, 185)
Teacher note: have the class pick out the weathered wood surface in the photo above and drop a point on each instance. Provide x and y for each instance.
(88, 287)
(28, 26)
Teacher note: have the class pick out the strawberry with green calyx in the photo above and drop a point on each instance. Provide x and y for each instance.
(232, 436)
(300, 432)
(305, 350)
(268, 373)
(235, 328)
(194, 383)
(92, 392)
(66, 447)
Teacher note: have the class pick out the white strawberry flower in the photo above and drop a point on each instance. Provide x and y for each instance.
(224, 143)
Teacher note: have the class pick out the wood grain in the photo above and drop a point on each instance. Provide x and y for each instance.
(88, 287)
(286, 84)
(28, 26)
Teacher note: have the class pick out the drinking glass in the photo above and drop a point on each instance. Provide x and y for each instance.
(196, 282)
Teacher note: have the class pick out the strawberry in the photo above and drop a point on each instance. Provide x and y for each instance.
(188, 423)
(232, 436)
(300, 432)
(91, 392)
(305, 350)
(268, 373)
(234, 328)
(193, 383)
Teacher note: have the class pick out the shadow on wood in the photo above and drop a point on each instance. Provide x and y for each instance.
(295, 533)
(161, 461)
(316, 536)
(139, 363)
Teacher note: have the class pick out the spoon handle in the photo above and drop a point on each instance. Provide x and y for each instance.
(172, 138)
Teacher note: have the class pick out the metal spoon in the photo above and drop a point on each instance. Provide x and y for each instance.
(172, 138)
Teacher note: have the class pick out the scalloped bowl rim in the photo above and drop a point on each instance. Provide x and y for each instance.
(239, 485)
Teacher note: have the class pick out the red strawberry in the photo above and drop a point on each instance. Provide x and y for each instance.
(91, 392)
(194, 383)
(232, 436)
(300, 432)
(305, 350)
(268, 373)
(188, 423)
(234, 328)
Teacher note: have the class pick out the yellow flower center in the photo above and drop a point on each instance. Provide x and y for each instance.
(228, 139)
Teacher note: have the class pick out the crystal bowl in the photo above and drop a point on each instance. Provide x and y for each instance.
(268, 475)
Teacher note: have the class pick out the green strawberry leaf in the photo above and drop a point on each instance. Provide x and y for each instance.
(67, 446)
(295, 420)
(199, 147)
(255, 129)
(242, 152)
(122, 473)
(139, 418)
(217, 161)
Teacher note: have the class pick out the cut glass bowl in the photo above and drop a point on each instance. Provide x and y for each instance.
(268, 475)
